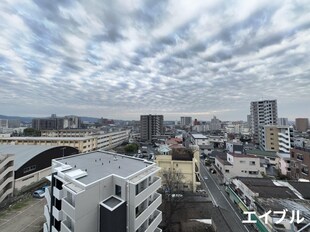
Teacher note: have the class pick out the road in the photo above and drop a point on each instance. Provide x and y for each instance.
(29, 218)
(219, 198)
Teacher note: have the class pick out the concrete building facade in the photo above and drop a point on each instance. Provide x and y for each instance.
(183, 163)
(276, 138)
(56, 123)
(302, 124)
(103, 191)
(83, 144)
(6, 175)
(186, 121)
(151, 125)
(299, 163)
(263, 112)
(232, 165)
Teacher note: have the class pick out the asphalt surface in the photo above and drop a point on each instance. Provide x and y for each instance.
(29, 218)
(220, 198)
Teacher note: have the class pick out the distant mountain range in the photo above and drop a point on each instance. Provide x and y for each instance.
(29, 119)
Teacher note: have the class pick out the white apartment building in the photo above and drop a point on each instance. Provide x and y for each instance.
(263, 112)
(6, 176)
(103, 191)
(232, 165)
(199, 139)
(276, 138)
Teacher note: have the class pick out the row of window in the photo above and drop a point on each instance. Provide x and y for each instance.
(30, 169)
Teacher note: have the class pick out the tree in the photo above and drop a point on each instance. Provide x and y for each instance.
(31, 132)
(172, 194)
(131, 148)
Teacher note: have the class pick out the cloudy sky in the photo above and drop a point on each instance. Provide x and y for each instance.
(120, 59)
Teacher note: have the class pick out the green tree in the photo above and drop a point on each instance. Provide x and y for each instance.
(31, 132)
(131, 148)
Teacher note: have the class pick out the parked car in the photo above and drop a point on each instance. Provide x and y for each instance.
(38, 193)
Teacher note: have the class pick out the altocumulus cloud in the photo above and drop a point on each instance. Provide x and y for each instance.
(124, 58)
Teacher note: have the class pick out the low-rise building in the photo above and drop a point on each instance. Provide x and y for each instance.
(69, 133)
(199, 139)
(183, 162)
(103, 191)
(262, 195)
(23, 165)
(300, 163)
(83, 144)
(231, 165)
(284, 163)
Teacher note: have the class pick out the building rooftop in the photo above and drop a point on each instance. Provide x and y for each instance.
(265, 187)
(182, 154)
(302, 187)
(242, 155)
(261, 153)
(100, 164)
(199, 136)
(23, 153)
(275, 204)
(48, 138)
(222, 158)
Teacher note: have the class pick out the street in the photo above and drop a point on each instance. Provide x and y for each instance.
(220, 198)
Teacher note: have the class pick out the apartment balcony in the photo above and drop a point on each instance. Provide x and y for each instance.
(5, 182)
(45, 227)
(57, 214)
(57, 193)
(48, 197)
(155, 222)
(285, 145)
(147, 212)
(5, 171)
(68, 209)
(54, 229)
(5, 193)
(66, 226)
(153, 187)
(47, 216)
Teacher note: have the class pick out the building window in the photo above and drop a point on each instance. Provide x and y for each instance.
(227, 171)
(253, 172)
(30, 169)
(242, 161)
(300, 157)
(252, 162)
(305, 170)
(118, 190)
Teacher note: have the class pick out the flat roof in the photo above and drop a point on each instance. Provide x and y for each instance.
(100, 164)
(47, 138)
(261, 153)
(199, 136)
(23, 153)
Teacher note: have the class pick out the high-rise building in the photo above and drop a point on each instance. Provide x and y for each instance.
(302, 124)
(215, 124)
(56, 123)
(103, 191)
(186, 121)
(151, 125)
(263, 112)
(276, 138)
(4, 123)
(283, 121)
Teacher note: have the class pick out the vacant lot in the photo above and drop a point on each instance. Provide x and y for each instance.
(23, 216)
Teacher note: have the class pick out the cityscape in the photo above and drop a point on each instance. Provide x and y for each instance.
(154, 116)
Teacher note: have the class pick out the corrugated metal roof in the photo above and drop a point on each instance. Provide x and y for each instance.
(23, 153)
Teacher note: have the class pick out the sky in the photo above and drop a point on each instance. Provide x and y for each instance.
(122, 58)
